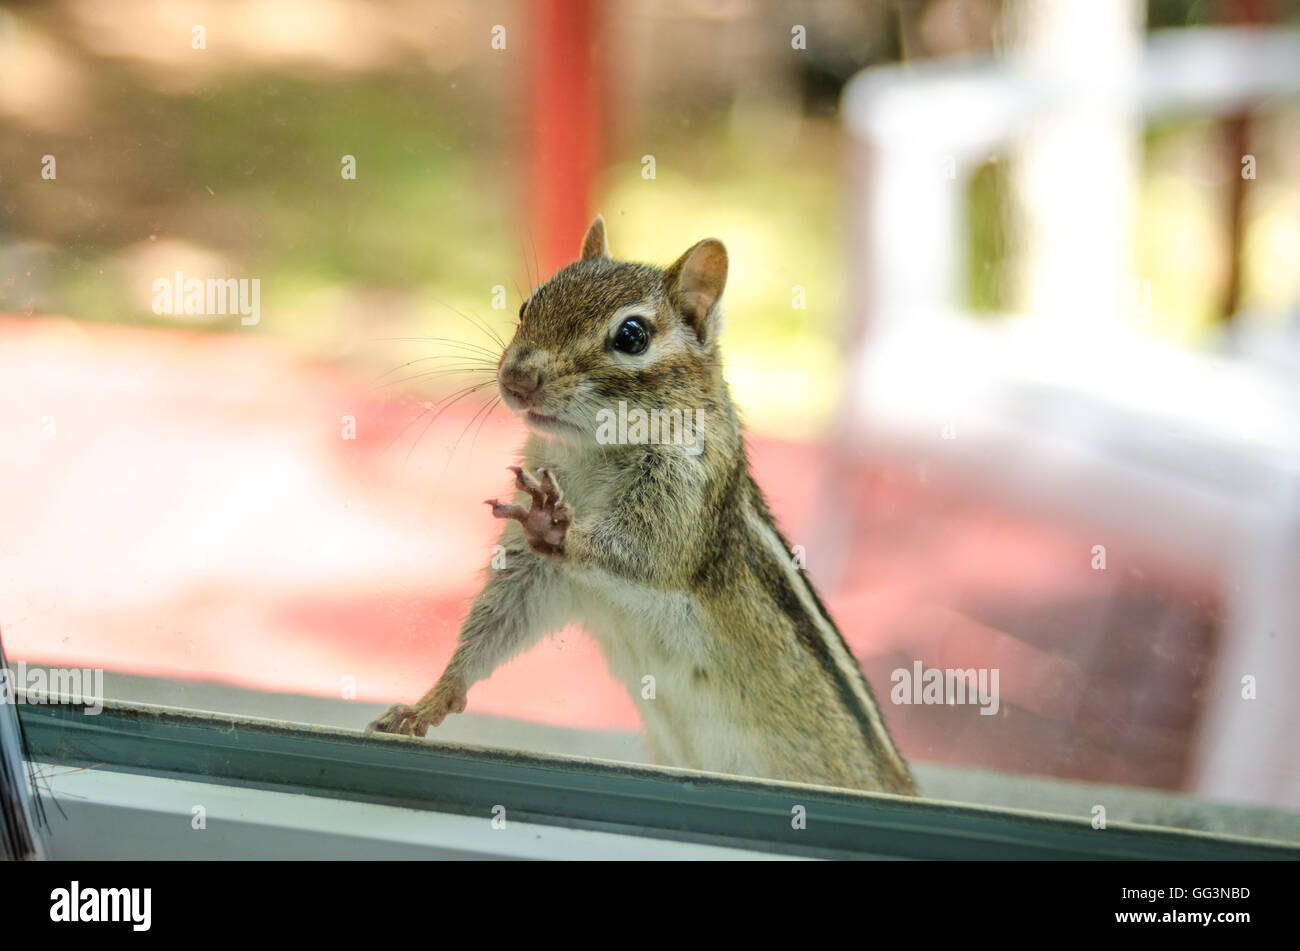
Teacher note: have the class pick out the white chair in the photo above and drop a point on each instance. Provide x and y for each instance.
(1067, 408)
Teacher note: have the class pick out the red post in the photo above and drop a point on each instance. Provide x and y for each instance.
(564, 135)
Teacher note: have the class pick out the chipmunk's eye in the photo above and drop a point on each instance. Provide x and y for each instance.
(631, 336)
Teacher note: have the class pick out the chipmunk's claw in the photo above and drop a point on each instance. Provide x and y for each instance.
(448, 697)
(400, 720)
(507, 510)
(547, 521)
(550, 489)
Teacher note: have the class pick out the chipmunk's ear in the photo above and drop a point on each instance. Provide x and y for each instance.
(594, 244)
(695, 283)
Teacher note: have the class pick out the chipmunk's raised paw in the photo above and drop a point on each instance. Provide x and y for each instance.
(547, 520)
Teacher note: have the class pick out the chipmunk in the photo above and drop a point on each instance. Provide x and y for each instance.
(665, 552)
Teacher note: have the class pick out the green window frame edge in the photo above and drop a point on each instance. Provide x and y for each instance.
(590, 794)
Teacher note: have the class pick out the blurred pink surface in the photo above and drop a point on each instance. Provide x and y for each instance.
(185, 505)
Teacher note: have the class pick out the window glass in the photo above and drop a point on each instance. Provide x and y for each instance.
(1015, 348)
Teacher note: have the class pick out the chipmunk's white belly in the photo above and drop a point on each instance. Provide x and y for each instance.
(646, 633)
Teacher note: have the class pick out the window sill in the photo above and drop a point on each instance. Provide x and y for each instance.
(636, 804)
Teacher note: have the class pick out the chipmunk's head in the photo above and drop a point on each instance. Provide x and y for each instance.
(602, 332)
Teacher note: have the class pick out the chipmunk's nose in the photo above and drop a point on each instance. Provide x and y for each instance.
(521, 383)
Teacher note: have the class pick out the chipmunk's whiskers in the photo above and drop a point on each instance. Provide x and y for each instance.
(535, 273)
(445, 403)
(478, 324)
(481, 415)
(432, 374)
(451, 341)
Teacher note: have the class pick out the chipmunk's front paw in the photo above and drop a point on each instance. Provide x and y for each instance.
(547, 521)
(416, 720)
(400, 719)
